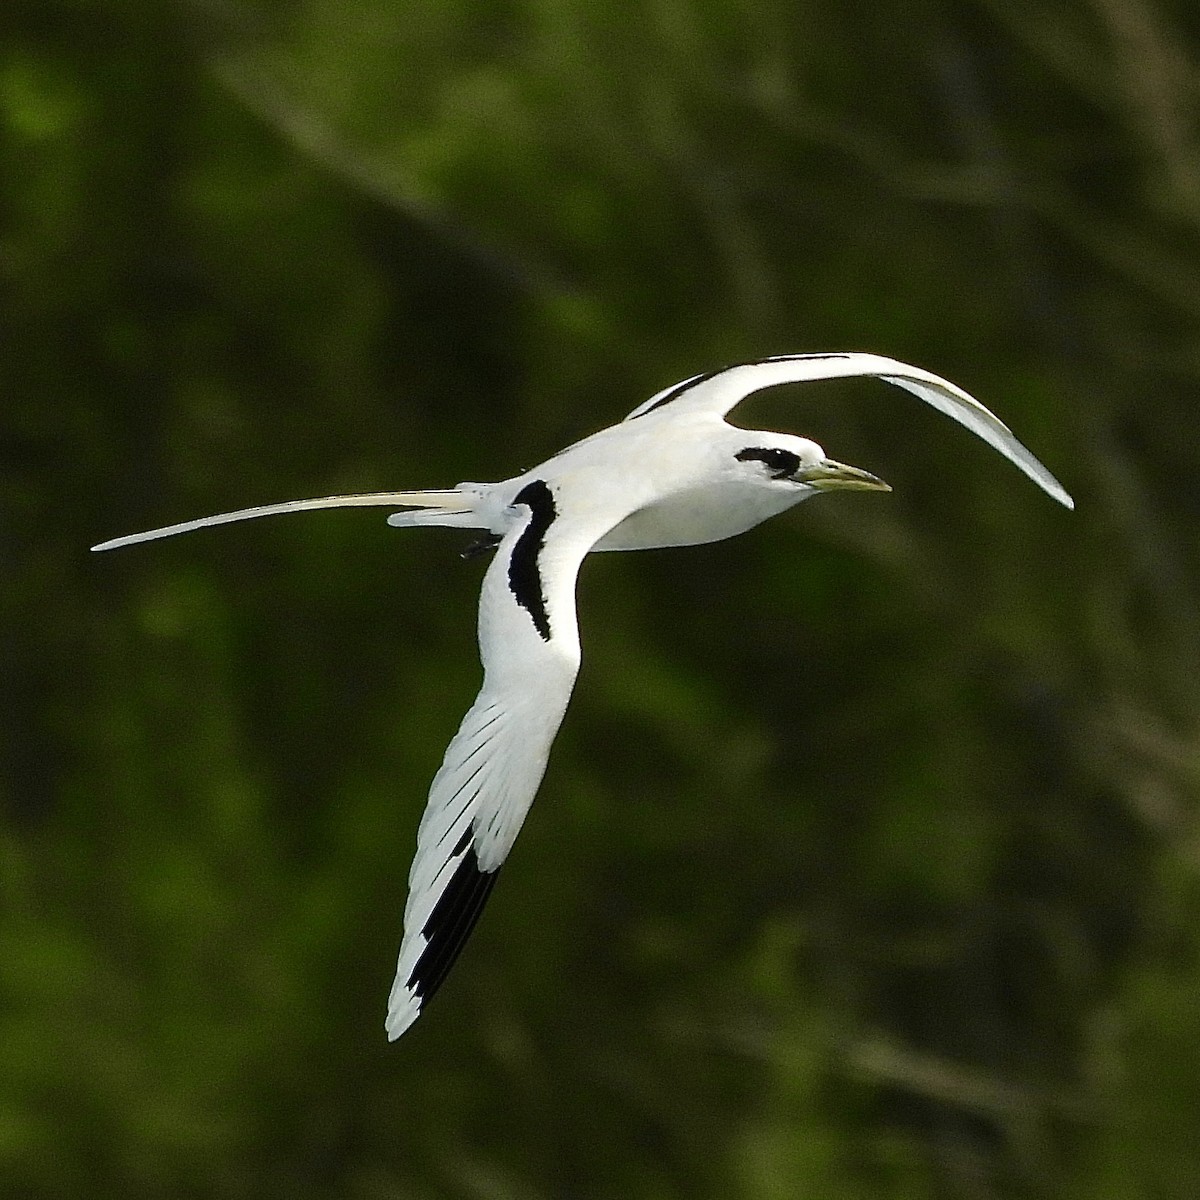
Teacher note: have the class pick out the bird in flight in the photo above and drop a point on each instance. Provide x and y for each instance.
(672, 473)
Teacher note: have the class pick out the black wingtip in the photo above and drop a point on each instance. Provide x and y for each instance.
(450, 923)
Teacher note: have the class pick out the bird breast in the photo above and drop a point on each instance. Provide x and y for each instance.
(694, 516)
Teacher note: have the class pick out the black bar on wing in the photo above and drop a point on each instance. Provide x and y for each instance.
(524, 570)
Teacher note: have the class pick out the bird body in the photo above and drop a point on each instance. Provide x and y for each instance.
(673, 473)
(675, 493)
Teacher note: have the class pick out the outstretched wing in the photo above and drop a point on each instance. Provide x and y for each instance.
(529, 644)
(718, 391)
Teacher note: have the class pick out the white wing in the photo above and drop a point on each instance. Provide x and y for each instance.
(718, 391)
(529, 643)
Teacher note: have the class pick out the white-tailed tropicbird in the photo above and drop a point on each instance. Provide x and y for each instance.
(673, 473)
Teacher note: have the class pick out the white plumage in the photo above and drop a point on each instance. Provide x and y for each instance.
(673, 473)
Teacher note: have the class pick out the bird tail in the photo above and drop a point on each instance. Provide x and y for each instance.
(451, 507)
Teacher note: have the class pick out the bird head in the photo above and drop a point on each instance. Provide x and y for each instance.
(780, 460)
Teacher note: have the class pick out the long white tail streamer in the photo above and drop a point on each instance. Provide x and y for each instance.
(451, 502)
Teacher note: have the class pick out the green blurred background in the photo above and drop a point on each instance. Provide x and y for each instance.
(867, 860)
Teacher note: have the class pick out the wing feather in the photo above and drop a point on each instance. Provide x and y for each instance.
(495, 762)
(451, 921)
(719, 391)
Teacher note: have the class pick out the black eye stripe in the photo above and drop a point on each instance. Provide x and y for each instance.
(781, 463)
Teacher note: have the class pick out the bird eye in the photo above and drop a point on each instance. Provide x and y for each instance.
(781, 463)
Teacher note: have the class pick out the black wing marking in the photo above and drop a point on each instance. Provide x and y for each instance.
(524, 572)
(696, 380)
(449, 925)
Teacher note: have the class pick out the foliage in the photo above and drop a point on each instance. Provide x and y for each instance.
(866, 862)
